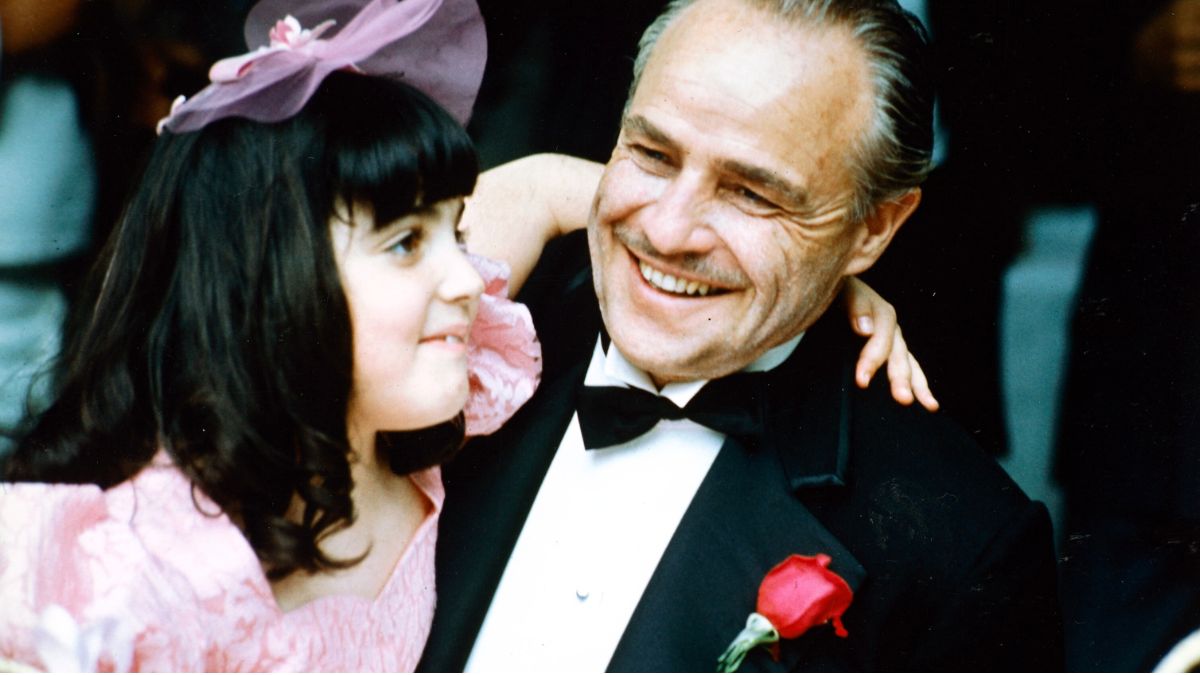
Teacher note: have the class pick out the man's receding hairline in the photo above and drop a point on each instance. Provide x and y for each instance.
(864, 103)
(892, 152)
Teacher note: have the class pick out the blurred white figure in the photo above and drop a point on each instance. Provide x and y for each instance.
(47, 194)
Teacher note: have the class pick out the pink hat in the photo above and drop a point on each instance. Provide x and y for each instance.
(437, 46)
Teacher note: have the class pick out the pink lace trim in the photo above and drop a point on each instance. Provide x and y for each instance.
(504, 355)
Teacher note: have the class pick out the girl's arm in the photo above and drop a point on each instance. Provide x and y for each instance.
(520, 206)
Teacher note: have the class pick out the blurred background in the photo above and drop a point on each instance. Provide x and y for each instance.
(1048, 282)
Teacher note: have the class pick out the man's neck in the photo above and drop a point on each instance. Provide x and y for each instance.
(617, 367)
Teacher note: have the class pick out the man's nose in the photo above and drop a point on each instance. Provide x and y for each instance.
(678, 220)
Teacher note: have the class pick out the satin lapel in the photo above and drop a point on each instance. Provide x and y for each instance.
(492, 483)
(747, 516)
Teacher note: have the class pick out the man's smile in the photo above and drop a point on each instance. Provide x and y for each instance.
(670, 283)
(695, 278)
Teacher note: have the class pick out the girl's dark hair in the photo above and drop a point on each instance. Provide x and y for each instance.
(214, 324)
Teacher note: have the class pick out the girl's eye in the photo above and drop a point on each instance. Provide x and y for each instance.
(407, 243)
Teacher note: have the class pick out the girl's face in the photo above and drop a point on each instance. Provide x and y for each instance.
(412, 295)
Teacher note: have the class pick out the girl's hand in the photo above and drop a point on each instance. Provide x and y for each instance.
(875, 318)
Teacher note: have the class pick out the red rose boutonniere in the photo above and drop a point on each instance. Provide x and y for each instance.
(799, 593)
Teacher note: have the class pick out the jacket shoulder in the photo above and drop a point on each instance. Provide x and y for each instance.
(949, 542)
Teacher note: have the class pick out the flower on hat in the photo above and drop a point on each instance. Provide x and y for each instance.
(179, 100)
(797, 594)
(436, 46)
(286, 35)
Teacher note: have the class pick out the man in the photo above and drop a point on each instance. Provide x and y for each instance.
(765, 155)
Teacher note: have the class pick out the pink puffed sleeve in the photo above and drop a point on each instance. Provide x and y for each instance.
(89, 580)
(504, 357)
(53, 613)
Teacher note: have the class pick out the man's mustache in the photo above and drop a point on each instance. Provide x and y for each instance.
(699, 265)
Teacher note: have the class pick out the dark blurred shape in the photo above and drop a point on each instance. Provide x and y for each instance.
(557, 76)
(944, 270)
(126, 61)
(82, 84)
(140, 55)
(1129, 453)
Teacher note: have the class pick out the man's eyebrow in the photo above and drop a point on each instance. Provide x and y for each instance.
(640, 125)
(795, 196)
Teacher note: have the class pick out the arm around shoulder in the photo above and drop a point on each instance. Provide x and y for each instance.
(520, 206)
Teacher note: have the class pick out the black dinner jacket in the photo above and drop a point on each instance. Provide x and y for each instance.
(952, 565)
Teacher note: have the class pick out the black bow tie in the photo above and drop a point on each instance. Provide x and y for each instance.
(731, 405)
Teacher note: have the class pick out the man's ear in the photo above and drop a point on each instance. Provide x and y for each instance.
(876, 232)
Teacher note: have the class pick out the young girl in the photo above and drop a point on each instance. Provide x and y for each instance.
(239, 470)
(278, 298)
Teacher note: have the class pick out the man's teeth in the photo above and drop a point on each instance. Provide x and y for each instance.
(454, 339)
(667, 282)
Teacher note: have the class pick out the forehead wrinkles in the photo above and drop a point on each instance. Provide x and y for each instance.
(797, 93)
(734, 85)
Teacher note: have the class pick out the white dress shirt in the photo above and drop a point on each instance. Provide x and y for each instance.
(596, 532)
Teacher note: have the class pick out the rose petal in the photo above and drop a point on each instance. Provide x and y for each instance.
(802, 592)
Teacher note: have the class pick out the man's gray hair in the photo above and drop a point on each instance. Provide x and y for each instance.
(895, 153)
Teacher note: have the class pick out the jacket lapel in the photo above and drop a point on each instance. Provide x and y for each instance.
(746, 517)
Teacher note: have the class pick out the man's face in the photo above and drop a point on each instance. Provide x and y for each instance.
(719, 228)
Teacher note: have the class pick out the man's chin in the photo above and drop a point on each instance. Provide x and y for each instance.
(666, 358)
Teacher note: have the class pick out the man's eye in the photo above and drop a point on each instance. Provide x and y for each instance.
(651, 154)
(751, 195)
(754, 199)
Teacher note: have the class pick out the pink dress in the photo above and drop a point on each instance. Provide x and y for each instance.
(151, 575)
